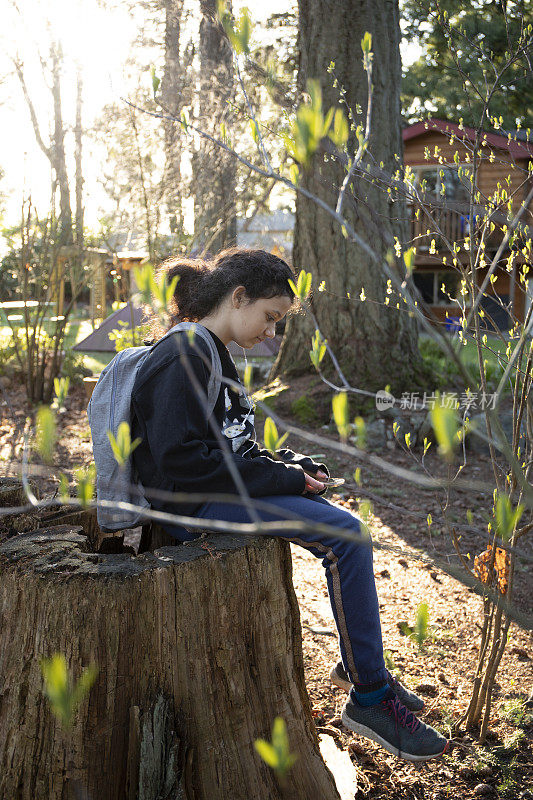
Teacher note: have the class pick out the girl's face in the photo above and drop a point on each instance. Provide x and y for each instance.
(253, 321)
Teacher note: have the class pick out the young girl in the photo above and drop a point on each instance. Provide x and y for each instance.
(239, 296)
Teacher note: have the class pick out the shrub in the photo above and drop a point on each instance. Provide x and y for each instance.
(304, 411)
(73, 367)
(125, 336)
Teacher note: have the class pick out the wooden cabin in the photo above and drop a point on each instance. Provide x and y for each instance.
(118, 269)
(438, 152)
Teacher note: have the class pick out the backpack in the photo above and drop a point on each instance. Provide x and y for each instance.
(110, 404)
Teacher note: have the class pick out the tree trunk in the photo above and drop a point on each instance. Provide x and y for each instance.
(198, 649)
(214, 171)
(171, 96)
(150, 239)
(58, 151)
(78, 137)
(374, 344)
(76, 264)
(55, 152)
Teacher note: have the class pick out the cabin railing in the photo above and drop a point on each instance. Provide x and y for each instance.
(451, 222)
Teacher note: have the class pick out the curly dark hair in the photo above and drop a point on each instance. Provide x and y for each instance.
(204, 284)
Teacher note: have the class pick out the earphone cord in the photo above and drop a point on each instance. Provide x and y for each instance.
(251, 408)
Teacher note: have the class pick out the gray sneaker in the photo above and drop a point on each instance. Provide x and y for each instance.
(409, 699)
(395, 728)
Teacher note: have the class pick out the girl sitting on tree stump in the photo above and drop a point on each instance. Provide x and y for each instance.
(239, 296)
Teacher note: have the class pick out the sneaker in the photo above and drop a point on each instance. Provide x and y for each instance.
(395, 728)
(408, 698)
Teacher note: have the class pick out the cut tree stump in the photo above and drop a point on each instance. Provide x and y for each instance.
(85, 518)
(11, 492)
(154, 536)
(12, 497)
(198, 648)
(48, 517)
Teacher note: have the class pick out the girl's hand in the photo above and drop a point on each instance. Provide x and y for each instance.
(312, 484)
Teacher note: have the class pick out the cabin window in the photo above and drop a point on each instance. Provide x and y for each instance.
(438, 288)
(442, 183)
(424, 282)
(448, 286)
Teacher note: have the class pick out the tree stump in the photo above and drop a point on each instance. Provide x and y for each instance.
(12, 495)
(198, 648)
(11, 492)
(62, 515)
(154, 536)
(36, 518)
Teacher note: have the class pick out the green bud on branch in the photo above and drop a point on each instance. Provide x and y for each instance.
(277, 753)
(64, 696)
(122, 446)
(46, 434)
(270, 436)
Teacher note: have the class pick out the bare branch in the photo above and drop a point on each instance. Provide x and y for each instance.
(20, 72)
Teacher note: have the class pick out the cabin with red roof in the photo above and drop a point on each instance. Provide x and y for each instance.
(438, 152)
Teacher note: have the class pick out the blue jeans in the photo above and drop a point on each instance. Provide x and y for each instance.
(349, 573)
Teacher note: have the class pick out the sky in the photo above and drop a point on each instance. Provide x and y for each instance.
(96, 40)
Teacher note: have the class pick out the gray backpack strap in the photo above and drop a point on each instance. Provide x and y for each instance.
(215, 377)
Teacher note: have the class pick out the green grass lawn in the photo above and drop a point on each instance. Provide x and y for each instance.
(77, 330)
(490, 353)
(448, 372)
(96, 361)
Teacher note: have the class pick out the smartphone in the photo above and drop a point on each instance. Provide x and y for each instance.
(332, 482)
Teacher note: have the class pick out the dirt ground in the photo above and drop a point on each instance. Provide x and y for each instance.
(441, 671)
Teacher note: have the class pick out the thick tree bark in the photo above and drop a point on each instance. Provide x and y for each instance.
(171, 96)
(375, 344)
(214, 171)
(198, 649)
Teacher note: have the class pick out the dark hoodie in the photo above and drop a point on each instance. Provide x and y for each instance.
(179, 450)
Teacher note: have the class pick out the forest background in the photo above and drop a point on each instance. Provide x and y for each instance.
(112, 46)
